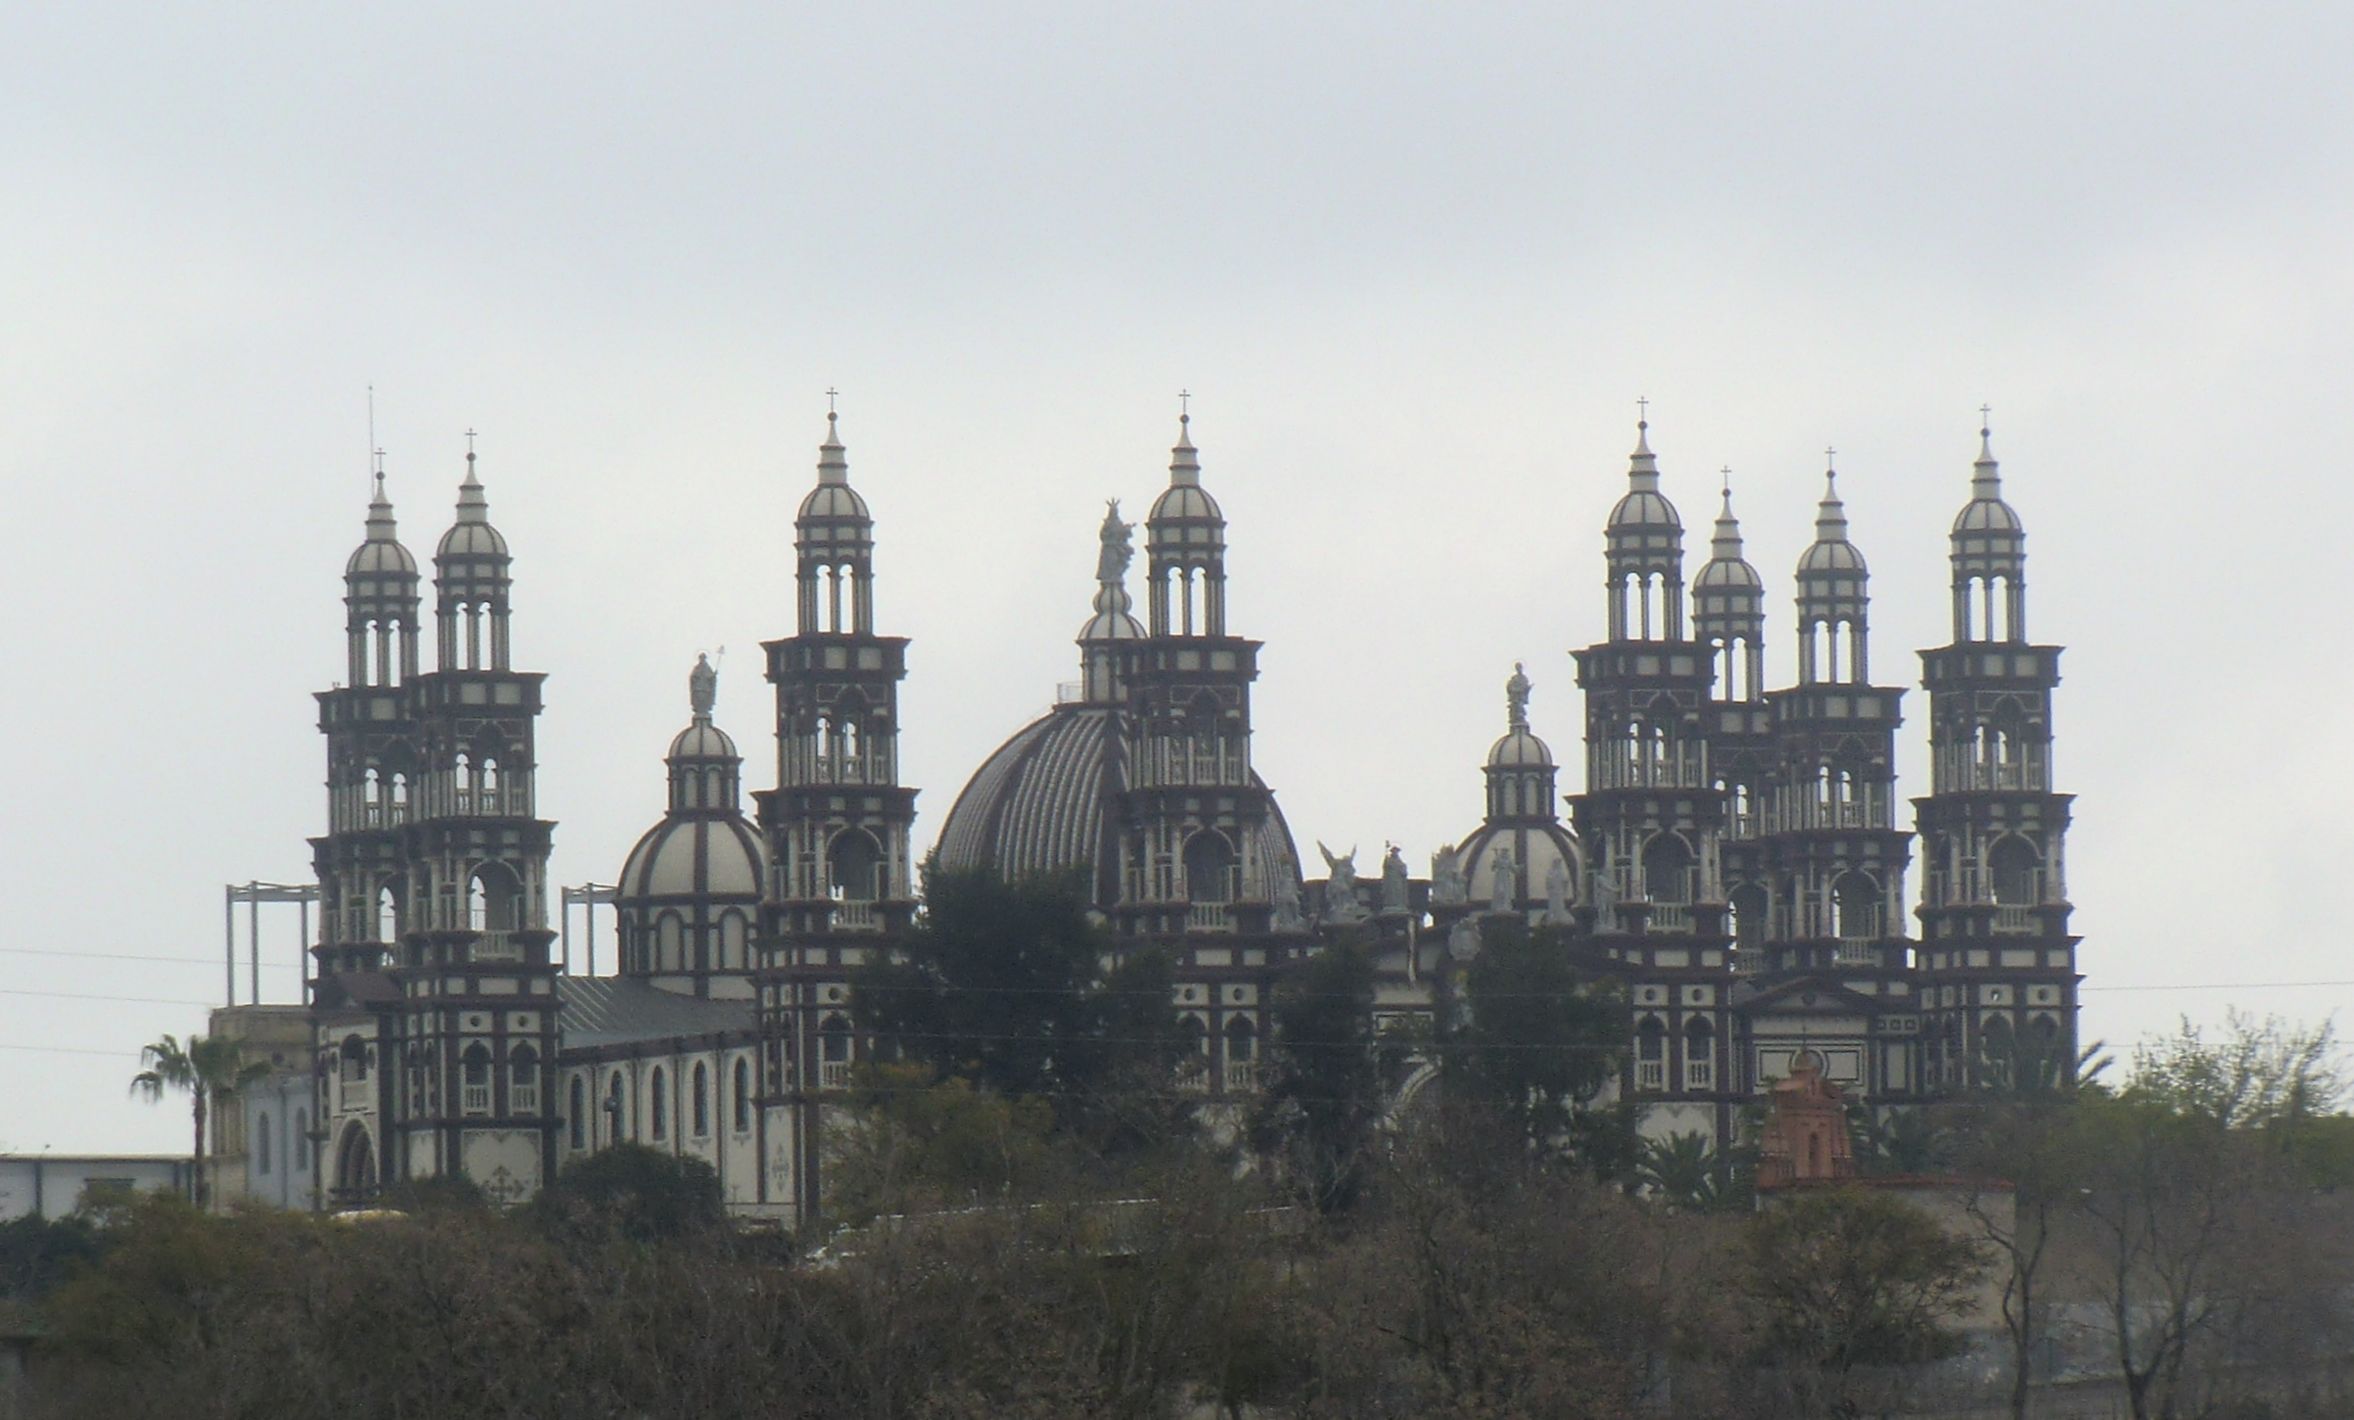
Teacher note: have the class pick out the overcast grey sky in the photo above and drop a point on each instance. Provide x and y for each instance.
(1416, 264)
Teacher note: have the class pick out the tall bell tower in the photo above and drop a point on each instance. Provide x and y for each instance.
(836, 825)
(1999, 979)
(1652, 814)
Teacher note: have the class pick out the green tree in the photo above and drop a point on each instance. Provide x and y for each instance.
(209, 1069)
(633, 1192)
(1329, 1075)
(1538, 1041)
(1847, 1278)
(1690, 1174)
(913, 1143)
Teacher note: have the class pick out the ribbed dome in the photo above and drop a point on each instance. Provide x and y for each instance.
(710, 857)
(1986, 512)
(1831, 551)
(1520, 749)
(1184, 500)
(1535, 848)
(472, 535)
(1039, 804)
(382, 554)
(1644, 506)
(1727, 568)
(833, 501)
(703, 740)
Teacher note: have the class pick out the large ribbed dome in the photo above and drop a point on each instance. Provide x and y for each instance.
(711, 858)
(1039, 804)
(1535, 849)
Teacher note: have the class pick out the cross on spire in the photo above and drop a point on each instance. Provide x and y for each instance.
(831, 392)
(1830, 457)
(469, 445)
(1185, 406)
(1643, 410)
(1985, 417)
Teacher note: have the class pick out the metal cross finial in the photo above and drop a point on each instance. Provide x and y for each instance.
(830, 393)
(469, 445)
(1985, 417)
(380, 463)
(1184, 406)
(1830, 457)
(1727, 474)
(1643, 410)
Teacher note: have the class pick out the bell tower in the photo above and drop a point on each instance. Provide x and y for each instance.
(1728, 602)
(1198, 857)
(1999, 979)
(1652, 814)
(836, 825)
(479, 1018)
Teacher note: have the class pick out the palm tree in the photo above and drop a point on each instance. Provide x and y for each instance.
(208, 1069)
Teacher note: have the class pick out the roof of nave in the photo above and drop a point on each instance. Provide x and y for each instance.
(613, 1010)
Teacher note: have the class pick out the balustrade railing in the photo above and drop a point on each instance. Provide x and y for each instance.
(1700, 1075)
(1209, 917)
(497, 946)
(2016, 918)
(855, 915)
(1650, 1074)
(474, 1099)
(1242, 1076)
(833, 1075)
(1670, 917)
(523, 1099)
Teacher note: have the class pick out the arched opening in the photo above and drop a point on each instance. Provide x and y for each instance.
(491, 801)
(1855, 908)
(657, 1105)
(1650, 1054)
(353, 1060)
(1749, 917)
(616, 1109)
(261, 1142)
(2017, 870)
(576, 1114)
(715, 789)
(699, 1097)
(833, 1053)
(1667, 869)
(855, 861)
(1699, 1054)
(462, 784)
(523, 1079)
(1242, 1053)
(371, 799)
(494, 899)
(300, 1152)
(1999, 1050)
(731, 941)
(1209, 867)
(355, 1165)
(669, 943)
(388, 915)
(400, 799)
(743, 1095)
(474, 1077)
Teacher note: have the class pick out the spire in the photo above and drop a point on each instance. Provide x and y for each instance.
(1986, 481)
(1516, 697)
(1642, 465)
(473, 506)
(1726, 545)
(1185, 470)
(1831, 514)
(381, 527)
(833, 468)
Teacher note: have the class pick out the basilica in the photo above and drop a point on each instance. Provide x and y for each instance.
(1731, 855)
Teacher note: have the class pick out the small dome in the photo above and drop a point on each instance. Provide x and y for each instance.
(1644, 506)
(381, 555)
(1520, 749)
(693, 857)
(1831, 551)
(1112, 626)
(833, 500)
(472, 535)
(1535, 849)
(1185, 501)
(1727, 569)
(1988, 515)
(703, 740)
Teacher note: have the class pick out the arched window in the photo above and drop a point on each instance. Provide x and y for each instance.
(1242, 1040)
(669, 944)
(1650, 1054)
(1209, 867)
(1855, 905)
(462, 784)
(474, 1075)
(1749, 917)
(616, 1109)
(302, 1151)
(261, 1142)
(354, 1060)
(494, 899)
(576, 1113)
(743, 1093)
(1699, 1054)
(855, 862)
(1667, 869)
(731, 941)
(657, 1106)
(2017, 871)
(491, 802)
(702, 1101)
(523, 1079)
(388, 915)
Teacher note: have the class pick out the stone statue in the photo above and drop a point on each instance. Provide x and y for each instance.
(1393, 881)
(1340, 886)
(1557, 893)
(1506, 889)
(703, 686)
(1111, 565)
(1446, 877)
(1287, 898)
(1516, 697)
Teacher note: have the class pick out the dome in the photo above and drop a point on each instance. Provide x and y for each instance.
(1727, 569)
(381, 555)
(1039, 804)
(472, 535)
(1840, 556)
(1644, 506)
(702, 740)
(1831, 551)
(1185, 501)
(1520, 749)
(704, 857)
(833, 500)
(1535, 849)
(1988, 515)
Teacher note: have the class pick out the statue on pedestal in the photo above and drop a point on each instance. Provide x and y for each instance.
(1340, 886)
(1393, 881)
